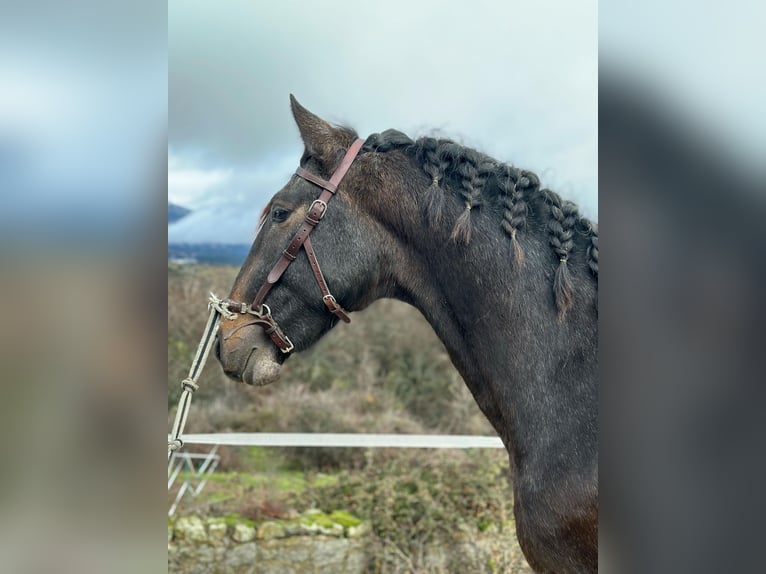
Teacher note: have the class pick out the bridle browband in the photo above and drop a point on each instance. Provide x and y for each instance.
(316, 212)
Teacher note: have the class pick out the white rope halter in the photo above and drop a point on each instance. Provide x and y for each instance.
(189, 384)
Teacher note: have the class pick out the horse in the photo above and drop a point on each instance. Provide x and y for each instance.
(503, 269)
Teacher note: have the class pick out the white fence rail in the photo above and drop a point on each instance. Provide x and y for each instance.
(199, 474)
(346, 440)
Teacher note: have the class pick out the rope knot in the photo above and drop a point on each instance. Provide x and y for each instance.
(189, 385)
(221, 306)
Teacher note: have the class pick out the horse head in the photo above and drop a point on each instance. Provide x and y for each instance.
(292, 290)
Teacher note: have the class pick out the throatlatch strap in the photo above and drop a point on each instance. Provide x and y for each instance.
(329, 300)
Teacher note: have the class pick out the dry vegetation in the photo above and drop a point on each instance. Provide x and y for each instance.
(374, 375)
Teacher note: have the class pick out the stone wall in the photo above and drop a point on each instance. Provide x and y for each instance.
(314, 543)
(317, 543)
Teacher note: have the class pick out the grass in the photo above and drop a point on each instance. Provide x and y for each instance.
(229, 492)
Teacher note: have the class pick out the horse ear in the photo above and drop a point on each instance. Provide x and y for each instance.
(320, 138)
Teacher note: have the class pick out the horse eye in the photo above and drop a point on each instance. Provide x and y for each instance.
(279, 214)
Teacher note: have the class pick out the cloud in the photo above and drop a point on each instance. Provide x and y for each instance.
(189, 186)
(226, 203)
(516, 80)
(83, 107)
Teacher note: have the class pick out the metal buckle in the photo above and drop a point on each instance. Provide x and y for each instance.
(311, 207)
(331, 298)
(265, 313)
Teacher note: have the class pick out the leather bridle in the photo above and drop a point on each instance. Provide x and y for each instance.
(316, 212)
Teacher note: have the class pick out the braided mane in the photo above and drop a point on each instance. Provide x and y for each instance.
(477, 179)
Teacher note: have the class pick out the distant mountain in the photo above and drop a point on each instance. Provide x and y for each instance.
(210, 253)
(225, 222)
(176, 212)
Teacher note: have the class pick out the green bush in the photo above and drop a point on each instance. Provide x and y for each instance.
(418, 499)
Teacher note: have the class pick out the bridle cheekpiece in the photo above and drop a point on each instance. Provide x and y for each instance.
(316, 212)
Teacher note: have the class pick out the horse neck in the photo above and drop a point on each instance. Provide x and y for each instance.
(528, 370)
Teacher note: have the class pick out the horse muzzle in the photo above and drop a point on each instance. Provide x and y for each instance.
(248, 355)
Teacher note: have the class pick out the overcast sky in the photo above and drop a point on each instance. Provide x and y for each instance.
(83, 103)
(517, 80)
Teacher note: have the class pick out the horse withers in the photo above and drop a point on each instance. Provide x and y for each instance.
(504, 270)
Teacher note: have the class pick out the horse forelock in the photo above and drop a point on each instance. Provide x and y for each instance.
(262, 218)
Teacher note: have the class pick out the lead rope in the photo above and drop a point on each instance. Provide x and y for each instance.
(189, 384)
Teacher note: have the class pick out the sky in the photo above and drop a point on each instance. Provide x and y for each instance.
(83, 104)
(94, 93)
(516, 80)
(703, 61)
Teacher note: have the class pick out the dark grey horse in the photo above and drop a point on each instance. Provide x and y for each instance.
(504, 271)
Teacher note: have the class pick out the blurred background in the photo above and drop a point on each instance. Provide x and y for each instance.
(682, 139)
(83, 131)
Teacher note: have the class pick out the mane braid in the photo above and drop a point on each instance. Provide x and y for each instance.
(470, 191)
(590, 230)
(477, 180)
(561, 229)
(515, 212)
(435, 167)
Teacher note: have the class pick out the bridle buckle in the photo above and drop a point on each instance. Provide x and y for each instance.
(311, 208)
(333, 304)
(289, 347)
